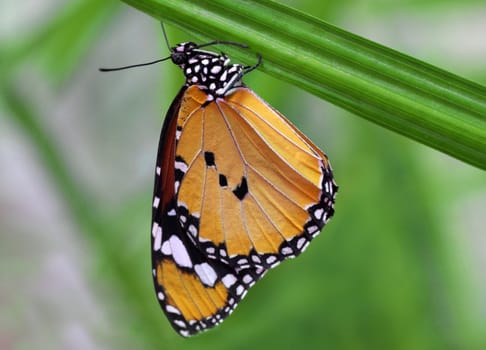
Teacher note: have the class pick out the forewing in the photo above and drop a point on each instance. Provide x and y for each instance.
(255, 190)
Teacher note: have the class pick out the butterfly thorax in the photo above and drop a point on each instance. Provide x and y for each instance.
(210, 71)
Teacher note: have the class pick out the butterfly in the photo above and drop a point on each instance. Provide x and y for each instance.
(238, 189)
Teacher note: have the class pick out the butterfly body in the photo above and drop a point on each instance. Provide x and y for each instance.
(238, 189)
(208, 70)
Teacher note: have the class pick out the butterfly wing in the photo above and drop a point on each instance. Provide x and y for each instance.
(253, 190)
(194, 291)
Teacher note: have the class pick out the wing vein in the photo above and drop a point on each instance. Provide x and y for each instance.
(274, 187)
(267, 216)
(273, 127)
(235, 142)
(268, 145)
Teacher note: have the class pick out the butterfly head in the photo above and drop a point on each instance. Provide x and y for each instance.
(182, 52)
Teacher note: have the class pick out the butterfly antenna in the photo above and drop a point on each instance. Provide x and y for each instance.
(165, 36)
(133, 65)
(248, 69)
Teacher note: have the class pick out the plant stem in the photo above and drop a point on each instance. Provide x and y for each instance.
(403, 94)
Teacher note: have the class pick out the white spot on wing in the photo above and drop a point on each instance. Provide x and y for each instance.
(247, 279)
(287, 251)
(271, 259)
(260, 271)
(193, 230)
(156, 202)
(242, 261)
(158, 239)
(240, 289)
(179, 252)
(301, 242)
(180, 323)
(166, 248)
(181, 166)
(228, 280)
(206, 274)
(318, 213)
(172, 309)
(157, 170)
(306, 244)
(155, 227)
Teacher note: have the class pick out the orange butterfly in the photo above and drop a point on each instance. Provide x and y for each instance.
(238, 189)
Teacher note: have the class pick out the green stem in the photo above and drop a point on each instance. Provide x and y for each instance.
(403, 94)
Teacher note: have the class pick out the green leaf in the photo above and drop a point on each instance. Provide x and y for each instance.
(403, 94)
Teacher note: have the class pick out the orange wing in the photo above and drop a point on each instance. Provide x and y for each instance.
(253, 190)
(238, 189)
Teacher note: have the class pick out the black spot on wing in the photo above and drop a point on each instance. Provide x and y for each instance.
(209, 158)
(223, 181)
(242, 189)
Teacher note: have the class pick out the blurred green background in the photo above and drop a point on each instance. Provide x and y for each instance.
(401, 266)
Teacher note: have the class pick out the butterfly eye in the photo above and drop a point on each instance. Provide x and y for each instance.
(179, 58)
